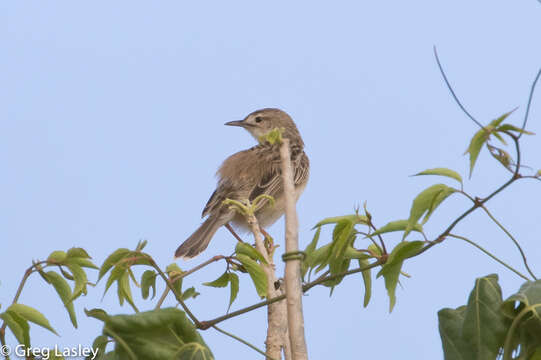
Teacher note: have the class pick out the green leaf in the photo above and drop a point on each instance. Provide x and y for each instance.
(321, 257)
(337, 266)
(391, 269)
(399, 225)
(82, 263)
(18, 326)
(476, 144)
(480, 138)
(442, 172)
(173, 270)
(250, 251)
(355, 219)
(148, 280)
(527, 303)
(64, 292)
(352, 253)
(141, 245)
(117, 272)
(528, 295)
(124, 290)
(425, 203)
(375, 249)
(484, 325)
(76, 252)
(341, 237)
(450, 327)
(509, 127)
(234, 290)
(156, 335)
(309, 253)
(256, 273)
(99, 314)
(111, 260)
(99, 344)
(501, 155)
(222, 281)
(57, 257)
(80, 278)
(367, 278)
(189, 293)
(30, 314)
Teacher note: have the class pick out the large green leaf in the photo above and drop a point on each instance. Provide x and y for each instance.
(475, 331)
(391, 269)
(484, 325)
(442, 172)
(524, 310)
(257, 274)
(155, 335)
(450, 326)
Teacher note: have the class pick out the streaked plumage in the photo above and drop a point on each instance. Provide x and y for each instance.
(248, 174)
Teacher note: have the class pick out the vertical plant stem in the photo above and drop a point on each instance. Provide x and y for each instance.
(293, 266)
(276, 312)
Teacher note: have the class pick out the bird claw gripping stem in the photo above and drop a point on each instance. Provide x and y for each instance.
(248, 208)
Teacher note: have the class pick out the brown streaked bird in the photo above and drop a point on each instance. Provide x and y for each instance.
(248, 174)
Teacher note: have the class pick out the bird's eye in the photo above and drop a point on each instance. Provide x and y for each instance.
(258, 119)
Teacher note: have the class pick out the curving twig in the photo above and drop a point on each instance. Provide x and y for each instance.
(452, 91)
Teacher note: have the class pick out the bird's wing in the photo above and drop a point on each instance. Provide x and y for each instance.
(216, 199)
(271, 182)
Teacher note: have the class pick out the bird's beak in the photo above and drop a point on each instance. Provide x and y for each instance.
(235, 123)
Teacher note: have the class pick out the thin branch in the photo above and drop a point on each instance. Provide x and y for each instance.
(512, 238)
(491, 255)
(453, 92)
(26, 275)
(232, 231)
(178, 296)
(243, 341)
(186, 273)
(530, 101)
(206, 324)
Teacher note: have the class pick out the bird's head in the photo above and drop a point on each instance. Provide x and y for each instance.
(261, 122)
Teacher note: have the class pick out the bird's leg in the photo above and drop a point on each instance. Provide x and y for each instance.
(230, 228)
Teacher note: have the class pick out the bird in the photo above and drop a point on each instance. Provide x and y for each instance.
(248, 174)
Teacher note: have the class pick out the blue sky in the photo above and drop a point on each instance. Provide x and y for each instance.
(111, 129)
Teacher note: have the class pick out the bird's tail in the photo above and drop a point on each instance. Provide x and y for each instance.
(200, 239)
